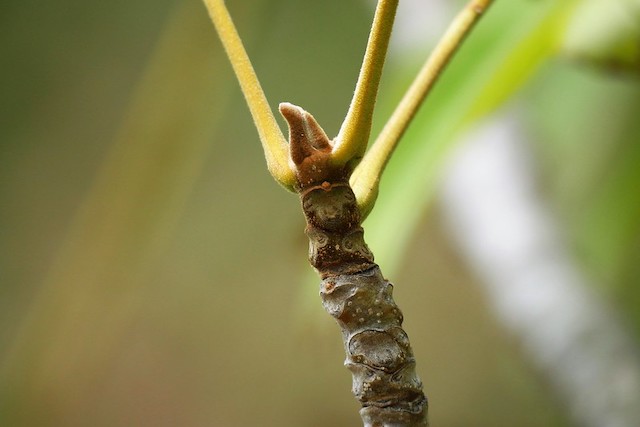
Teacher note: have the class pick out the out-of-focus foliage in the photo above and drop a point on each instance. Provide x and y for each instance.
(177, 260)
(585, 120)
(588, 131)
(606, 33)
(505, 50)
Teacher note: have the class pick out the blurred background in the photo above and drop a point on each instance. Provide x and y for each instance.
(153, 274)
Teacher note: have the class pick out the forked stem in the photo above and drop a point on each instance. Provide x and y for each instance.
(366, 177)
(353, 290)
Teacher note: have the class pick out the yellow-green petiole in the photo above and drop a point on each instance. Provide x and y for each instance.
(349, 147)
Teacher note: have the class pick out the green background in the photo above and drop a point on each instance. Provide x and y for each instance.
(153, 274)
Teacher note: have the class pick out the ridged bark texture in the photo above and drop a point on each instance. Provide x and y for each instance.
(356, 294)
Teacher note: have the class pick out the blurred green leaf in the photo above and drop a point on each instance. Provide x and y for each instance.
(122, 225)
(586, 129)
(501, 54)
(605, 33)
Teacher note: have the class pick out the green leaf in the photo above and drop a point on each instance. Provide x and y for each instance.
(499, 57)
(605, 33)
(587, 132)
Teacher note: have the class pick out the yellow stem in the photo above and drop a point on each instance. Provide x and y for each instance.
(366, 177)
(352, 140)
(275, 145)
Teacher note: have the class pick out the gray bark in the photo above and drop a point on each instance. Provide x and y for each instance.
(353, 289)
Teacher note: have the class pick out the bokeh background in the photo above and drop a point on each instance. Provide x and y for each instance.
(153, 274)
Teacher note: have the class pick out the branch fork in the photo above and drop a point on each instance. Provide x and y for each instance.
(348, 148)
(337, 181)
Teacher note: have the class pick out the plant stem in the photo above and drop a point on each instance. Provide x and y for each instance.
(353, 289)
(352, 140)
(366, 177)
(273, 141)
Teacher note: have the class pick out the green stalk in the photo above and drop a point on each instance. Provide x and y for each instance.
(366, 178)
(352, 140)
(273, 142)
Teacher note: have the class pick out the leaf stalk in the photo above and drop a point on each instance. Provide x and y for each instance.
(274, 144)
(366, 177)
(352, 140)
